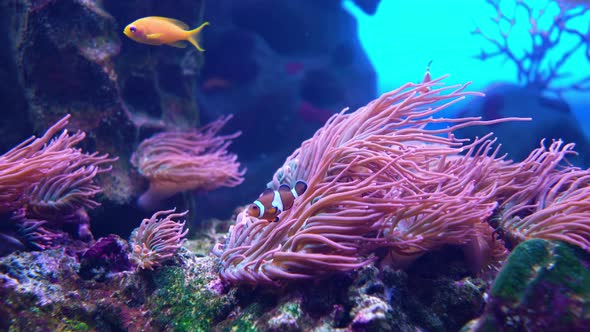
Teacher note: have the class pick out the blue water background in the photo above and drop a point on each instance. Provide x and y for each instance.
(403, 36)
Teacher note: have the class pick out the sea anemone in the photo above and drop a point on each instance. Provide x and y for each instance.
(157, 239)
(181, 161)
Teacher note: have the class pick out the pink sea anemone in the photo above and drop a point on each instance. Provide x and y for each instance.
(50, 172)
(384, 177)
(45, 183)
(175, 162)
(157, 239)
(378, 178)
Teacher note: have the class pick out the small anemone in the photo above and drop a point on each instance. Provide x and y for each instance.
(157, 239)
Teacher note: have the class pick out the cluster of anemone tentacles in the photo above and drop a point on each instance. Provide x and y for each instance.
(388, 176)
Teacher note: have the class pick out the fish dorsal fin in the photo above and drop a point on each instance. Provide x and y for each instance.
(178, 44)
(267, 191)
(178, 23)
(284, 188)
(300, 187)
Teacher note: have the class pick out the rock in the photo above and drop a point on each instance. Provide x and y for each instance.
(107, 256)
(429, 297)
(45, 289)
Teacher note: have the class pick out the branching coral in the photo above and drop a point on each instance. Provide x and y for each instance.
(157, 239)
(181, 161)
(535, 67)
(381, 177)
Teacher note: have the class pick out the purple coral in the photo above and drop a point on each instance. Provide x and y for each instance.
(157, 239)
(535, 66)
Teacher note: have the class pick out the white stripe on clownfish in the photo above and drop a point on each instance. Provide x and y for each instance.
(277, 202)
(261, 207)
(295, 194)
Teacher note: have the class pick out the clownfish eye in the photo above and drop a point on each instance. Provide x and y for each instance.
(254, 207)
(133, 29)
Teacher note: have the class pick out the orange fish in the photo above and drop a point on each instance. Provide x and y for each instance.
(155, 30)
(272, 202)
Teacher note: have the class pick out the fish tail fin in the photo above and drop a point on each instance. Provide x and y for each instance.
(193, 36)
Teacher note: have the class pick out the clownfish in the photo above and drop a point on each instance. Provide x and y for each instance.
(272, 202)
(155, 30)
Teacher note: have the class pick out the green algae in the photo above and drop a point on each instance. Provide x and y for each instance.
(185, 304)
(521, 266)
(73, 325)
(246, 321)
(568, 270)
(291, 308)
(544, 285)
(540, 261)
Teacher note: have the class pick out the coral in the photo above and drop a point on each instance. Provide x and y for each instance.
(184, 300)
(182, 161)
(59, 288)
(28, 273)
(286, 318)
(535, 68)
(157, 239)
(434, 295)
(543, 285)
